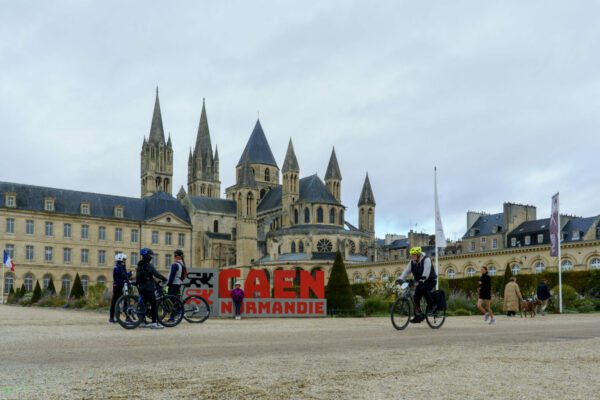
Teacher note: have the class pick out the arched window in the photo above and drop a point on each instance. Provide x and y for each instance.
(47, 279)
(249, 205)
(66, 284)
(202, 189)
(306, 215)
(84, 283)
(301, 247)
(451, 274)
(262, 193)
(166, 185)
(385, 278)
(567, 265)
(216, 226)
(341, 217)
(492, 271)
(28, 283)
(319, 214)
(539, 267)
(267, 175)
(470, 271)
(371, 278)
(101, 280)
(9, 282)
(371, 218)
(332, 216)
(324, 246)
(296, 216)
(293, 247)
(352, 247)
(357, 279)
(515, 269)
(595, 263)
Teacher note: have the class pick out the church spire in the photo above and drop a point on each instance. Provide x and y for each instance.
(203, 146)
(366, 195)
(291, 162)
(246, 178)
(157, 133)
(333, 169)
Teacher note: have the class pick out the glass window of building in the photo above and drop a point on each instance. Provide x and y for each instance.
(118, 235)
(28, 283)
(84, 283)
(540, 238)
(101, 280)
(67, 255)
(67, 231)
(168, 260)
(29, 253)
(595, 263)
(10, 225)
(49, 205)
(155, 237)
(527, 240)
(85, 256)
(101, 257)
(470, 271)
(515, 269)
(66, 284)
(492, 271)
(513, 242)
(9, 282)
(85, 232)
(451, 274)
(539, 267)
(134, 236)
(472, 245)
(134, 259)
(494, 243)
(47, 281)
(10, 250)
(567, 265)
(101, 233)
(48, 254)
(181, 240)
(168, 236)
(29, 227)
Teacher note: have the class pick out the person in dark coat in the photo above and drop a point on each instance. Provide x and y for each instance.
(485, 294)
(237, 295)
(144, 277)
(543, 294)
(120, 276)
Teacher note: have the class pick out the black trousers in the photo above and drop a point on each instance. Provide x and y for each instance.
(424, 290)
(175, 290)
(117, 292)
(150, 301)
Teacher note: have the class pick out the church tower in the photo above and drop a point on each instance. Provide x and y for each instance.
(156, 158)
(291, 187)
(366, 209)
(333, 177)
(246, 195)
(203, 167)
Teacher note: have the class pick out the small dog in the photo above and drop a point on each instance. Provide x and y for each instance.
(529, 306)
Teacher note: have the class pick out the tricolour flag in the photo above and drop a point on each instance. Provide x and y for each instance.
(440, 238)
(8, 261)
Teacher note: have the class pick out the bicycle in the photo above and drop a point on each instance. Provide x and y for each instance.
(402, 307)
(195, 309)
(131, 309)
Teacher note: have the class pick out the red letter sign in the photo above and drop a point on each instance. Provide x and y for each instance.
(280, 284)
(317, 285)
(261, 287)
(224, 276)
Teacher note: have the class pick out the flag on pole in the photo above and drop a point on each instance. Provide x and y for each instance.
(554, 228)
(440, 238)
(8, 261)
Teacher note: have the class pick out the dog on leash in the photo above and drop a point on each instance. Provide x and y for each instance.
(529, 306)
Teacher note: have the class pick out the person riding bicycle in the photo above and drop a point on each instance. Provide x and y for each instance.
(120, 276)
(425, 280)
(176, 274)
(144, 278)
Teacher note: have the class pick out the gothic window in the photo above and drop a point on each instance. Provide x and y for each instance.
(293, 247)
(341, 217)
(296, 216)
(301, 247)
(324, 245)
(319, 214)
(166, 185)
(352, 247)
(202, 189)
(306, 215)
(332, 216)
(267, 175)
(370, 218)
(216, 226)
(249, 204)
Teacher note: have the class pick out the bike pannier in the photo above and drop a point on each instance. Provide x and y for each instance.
(440, 299)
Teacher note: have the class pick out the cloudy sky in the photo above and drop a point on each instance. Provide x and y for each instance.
(501, 96)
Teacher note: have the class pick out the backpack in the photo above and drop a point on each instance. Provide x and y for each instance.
(183, 271)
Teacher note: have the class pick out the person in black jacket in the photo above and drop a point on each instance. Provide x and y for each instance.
(120, 276)
(144, 277)
(485, 294)
(425, 281)
(543, 294)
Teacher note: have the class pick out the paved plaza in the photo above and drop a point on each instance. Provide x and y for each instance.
(52, 354)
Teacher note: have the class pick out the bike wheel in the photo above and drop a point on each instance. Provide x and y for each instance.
(170, 311)
(129, 311)
(435, 320)
(195, 309)
(400, 313)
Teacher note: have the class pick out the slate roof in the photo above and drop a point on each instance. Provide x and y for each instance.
(313, 190)
(582, 225)
(485, 223)
(271, 200)
(535, 226)
(258, 148)
(68, 202)
(216, 235)
(157, 133)
(399, 244)
(246, 177)
(315, 229)
(366, 195)
(291, 162)
(333, 169)
(220, 206)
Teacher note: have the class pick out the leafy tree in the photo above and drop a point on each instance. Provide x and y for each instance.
(37, 293)
(51, 290)
(77, 290)
(337, 292)
(11, 295)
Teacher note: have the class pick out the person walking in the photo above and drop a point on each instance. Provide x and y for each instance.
(120, 276)
(485, 294)
(237, 295)
(512, 297)
(543, 294)
(144, 278)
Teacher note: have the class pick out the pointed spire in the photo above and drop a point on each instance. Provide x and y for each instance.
(169, 143)
(366, 195)
(258, 149)
(203, 146)
(290, 163)
(157, 133)
(216, 153)
(333, 169)
(246, 178)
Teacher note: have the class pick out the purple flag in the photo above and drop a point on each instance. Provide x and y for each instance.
(554, 228)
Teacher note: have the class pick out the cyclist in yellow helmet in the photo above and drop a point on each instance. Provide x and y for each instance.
(425, 280)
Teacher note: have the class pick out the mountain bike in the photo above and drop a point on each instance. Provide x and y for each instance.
(131, 310)
(404, 307)
(195, 309)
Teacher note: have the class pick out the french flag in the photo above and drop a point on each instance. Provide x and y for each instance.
(8, 261)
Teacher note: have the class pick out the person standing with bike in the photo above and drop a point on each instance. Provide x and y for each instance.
(144, 278)
(176, 274)
(425, 280)
(120, 276)
(485, 294)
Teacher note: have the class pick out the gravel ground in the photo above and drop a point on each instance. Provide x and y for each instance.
(54, 354)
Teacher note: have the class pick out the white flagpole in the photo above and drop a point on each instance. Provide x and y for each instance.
(2, 298)
(437, 267)
(559, 261)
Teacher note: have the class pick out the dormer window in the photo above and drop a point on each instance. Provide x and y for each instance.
(119, 211)
(85, 208)
(494, 228)
(575, 235)
(527, 240)
(49, 204)
(11, 200)
(513, 242)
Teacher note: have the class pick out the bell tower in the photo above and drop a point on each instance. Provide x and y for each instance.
(366, 209)
(291, 186)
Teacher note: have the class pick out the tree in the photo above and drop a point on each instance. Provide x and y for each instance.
(22, 291)
(77, 290)
(51, 290)
(507, 275)
(337, 292)
(37, 293)
(11, 295)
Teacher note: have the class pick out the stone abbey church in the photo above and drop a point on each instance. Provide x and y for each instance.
(270, 218)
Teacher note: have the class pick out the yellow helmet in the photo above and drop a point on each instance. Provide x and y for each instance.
(415, 250)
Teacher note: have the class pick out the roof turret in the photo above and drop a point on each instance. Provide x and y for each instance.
(333, 169)
(258, 148)
(157, 133)
(366, 195)
(291, 162)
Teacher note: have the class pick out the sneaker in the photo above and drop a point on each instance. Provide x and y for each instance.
(112, 321)
(492, 321)
(156, 326)
(487, 316)
(145, 324)
(418, 318)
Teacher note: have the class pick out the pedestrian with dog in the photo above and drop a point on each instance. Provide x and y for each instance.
(512, 298)
(237, 295)
(485, 294)
(543, 294)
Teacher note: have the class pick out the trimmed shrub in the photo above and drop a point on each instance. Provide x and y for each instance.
(569, 295)
(37, 293)
(96, 298)
(585, 305)
(337, 292)
(26, 299)
(459, 301)
(461, 312)
(361, 289)
(376, 305)
(11, 296)
(22, 291)
(51, 290)
(77, 290)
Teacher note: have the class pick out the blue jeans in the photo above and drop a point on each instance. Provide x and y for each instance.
(238, 307)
